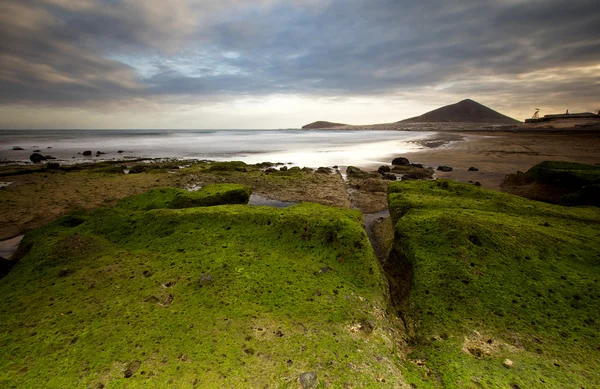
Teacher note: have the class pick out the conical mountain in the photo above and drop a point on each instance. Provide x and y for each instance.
(465, 111)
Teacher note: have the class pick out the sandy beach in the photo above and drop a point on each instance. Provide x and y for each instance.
(497, 154)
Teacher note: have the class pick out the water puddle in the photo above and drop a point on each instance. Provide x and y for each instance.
(260, 200)
(10, 246)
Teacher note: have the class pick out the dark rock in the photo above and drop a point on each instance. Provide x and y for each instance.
(99, 152)
(353, 171)
(137, 169)
(336, 167)
(48, 147)
(283, 169)
(307, 170)
(53, 165)
(477, 183)
(418, 165)
(87, 153)
(473, 169)
(383, 169)
(411, 176)
(270, 170)
(324, 170)
(49, 157)
(120, 151)
(390, 176)
(309, 380)
(17, 148)
(444, 168)
(37, 158)
(400, 161)
(36, 151)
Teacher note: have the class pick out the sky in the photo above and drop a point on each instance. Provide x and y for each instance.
(284, 63)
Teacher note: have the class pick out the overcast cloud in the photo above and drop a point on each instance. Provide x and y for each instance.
(206, 58)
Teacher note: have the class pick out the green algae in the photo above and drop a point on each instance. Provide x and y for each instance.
(493, 277)
(215, 194)
(226, 296)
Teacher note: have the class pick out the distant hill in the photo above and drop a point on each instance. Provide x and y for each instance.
(465, 111)
(322, 124)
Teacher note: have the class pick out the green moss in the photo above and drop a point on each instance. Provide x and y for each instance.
(496, 276)
(228, 296)
(231, 166)
(216, 194)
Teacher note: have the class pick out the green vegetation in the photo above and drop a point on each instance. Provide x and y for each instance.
(495, 277)
(228, 296)
(216, 194)
(566, 183)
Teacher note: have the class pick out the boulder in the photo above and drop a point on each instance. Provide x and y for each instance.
(383, 169)
(270, 170)
(400, 161)
(417, 165)
(283, 169)
(353, 171)
(49, 157)
(324, 170)
(444, 168)
(473, 169)
(390, 176)
(120, 151)
(16, 148)
(37, 158)
(87, 153)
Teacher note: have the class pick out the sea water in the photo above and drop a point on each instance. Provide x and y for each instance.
(312, 148)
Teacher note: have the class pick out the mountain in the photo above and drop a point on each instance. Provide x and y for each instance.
(322, 124)
(465, 111)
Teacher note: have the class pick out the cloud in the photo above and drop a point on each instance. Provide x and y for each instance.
(109, 53)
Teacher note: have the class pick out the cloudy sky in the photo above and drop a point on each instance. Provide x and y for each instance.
(284, 63)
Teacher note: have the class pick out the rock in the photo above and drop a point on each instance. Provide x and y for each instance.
(390, 176)
(120, 151)
(324, 170)
(353, 171)
(49, 157)
(270, 170)
(307, 170)
(17, 148)
(473, 169)
(36, 151)
(53, 165)
(477, 183)
(37, 158)
(444, 168)
(418, 165)
(137, 169)
(383, 169)
(87, 153)
(400, 161)
(508, 363)
(99, 152)
(410, 176)
(374, 185)
(283, 169)
(336, 167)
(309, 380)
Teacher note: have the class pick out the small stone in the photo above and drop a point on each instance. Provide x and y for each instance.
(444, 168)
(308, 380)
(17, 148)
(87, 152)
(508, 363)
(473, 169)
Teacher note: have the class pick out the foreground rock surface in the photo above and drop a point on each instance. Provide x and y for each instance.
(495, 277)
(197, 297)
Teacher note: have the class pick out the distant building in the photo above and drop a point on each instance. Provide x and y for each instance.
(548, 118)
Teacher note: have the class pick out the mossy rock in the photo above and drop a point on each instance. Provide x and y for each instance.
(231, 166)
(482, 276)
(174, 198)
(228, 296)
(565, 174)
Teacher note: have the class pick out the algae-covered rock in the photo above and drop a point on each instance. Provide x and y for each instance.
(229, 296)
(482, 276)
(174, 198)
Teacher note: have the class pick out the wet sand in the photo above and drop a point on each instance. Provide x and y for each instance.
(497, 154)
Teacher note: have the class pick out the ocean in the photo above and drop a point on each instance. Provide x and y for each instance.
(294, 147)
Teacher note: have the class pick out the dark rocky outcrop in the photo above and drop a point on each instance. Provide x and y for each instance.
(390, 176)
(354, 172)
(383, 169)
(87, 153)
(473, 169)
(324, 170)
(37, 158)
(400, 161)
(443, 168)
